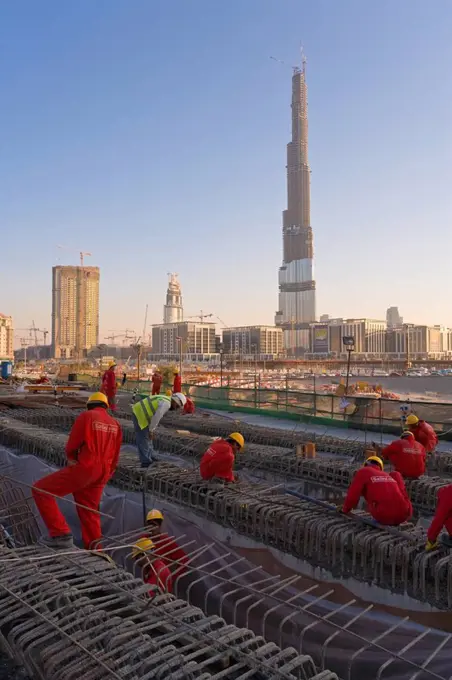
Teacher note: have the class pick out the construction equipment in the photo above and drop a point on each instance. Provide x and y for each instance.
(82, 253)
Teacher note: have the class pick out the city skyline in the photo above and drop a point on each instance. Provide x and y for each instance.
(149, 185)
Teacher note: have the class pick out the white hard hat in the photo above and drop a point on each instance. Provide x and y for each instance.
(180, 397)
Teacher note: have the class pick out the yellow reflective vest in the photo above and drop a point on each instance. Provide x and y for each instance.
(145, 409)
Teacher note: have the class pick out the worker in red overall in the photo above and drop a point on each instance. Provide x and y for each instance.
(177, 385)
(423, 432)
(218, 460)
(154, 570)
(92, 452)
(157, 380)
(442, 518)
(385, 494)
(407, 456)
(189, 406)
(109, 385)
(165, 547)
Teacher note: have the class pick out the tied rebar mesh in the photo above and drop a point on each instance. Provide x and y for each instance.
(266, 514)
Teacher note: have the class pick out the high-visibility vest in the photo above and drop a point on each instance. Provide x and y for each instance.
(144, 410)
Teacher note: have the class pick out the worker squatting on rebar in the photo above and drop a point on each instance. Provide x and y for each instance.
(218, 460)
(109, 385)
(154, 570)
(442, 518)
(423, 432)
(385, 494)
(164, 546)
(407, 455)
(92, 453)
(147, 413)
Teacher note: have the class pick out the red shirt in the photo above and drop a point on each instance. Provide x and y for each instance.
(218, 461)
(189, 406)
(425, 435)
(407, 455)
(386, 496)
(95, 438)
(159, 575)
(443, 514)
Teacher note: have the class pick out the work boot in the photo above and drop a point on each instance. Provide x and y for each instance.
(65, 542)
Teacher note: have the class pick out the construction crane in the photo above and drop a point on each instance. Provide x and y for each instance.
(82, 253)
(32, 330)
(203, 316)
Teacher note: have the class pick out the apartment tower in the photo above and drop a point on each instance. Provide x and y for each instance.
(75, 311)
(296, 275)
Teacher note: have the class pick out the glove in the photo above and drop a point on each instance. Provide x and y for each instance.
(340, 508)
(431, 546)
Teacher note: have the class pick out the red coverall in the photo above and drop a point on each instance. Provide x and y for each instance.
(408, 457)
(92, 451)
(218, 461)
(189, 406)
(109, 387)
(443, 514)
(386, 496)
(157, 380)
(159, 575)
(168, 550)
(425, 435)
(177, 386)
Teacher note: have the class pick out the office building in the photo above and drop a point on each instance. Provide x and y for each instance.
(393, 317)
(296, 275)
(173, 310)
(197, 338)
(75, 311)
(247, 340)
(369, 336)
(6, 338)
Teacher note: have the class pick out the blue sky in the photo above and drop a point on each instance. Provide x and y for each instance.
(152, 133)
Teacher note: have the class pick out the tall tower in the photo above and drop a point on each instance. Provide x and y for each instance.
(173, 310)
(296, 276)
(75, 311)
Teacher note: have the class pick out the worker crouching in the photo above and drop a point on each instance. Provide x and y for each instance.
(407, 456)
(423, 432)
(165, 547)
(218, 460)
(154, 571)
(385, 494)
(92, 451)
(442, 518)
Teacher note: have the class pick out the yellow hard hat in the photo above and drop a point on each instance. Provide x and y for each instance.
(143, 545)
(168, 393)
(406, 433)
(154, 514)
(375, 459)
(111, 364)
(412, 419)
(238, 438)
(176, 370)
(98, 396)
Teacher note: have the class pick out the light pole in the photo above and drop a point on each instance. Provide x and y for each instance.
(221, 363)
(179, 340)
(349, 342)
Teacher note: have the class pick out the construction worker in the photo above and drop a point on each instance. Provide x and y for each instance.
(218, 460)
(157, 380)
(177, 385)
(109, 385)
(154, 570)
(385, 494)
(442, 518)
(165, 546)
(189, 406)
(406, 455)
(146, 415)
(423, 432)
(92, 451)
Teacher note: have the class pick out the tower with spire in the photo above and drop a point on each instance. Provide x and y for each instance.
(173, 311)
(296, 275)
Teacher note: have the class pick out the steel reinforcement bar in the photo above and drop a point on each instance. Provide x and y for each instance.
(322, 538)
(71, 616)
(330, 472)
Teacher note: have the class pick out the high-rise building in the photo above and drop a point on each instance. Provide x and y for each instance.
(265, 340)
(393, 317)
(6, 338)
(296, 276)
(75, 310)
(192, 339)
(173, 310)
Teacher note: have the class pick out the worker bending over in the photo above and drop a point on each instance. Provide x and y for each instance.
(385, 494)
(92, 451)
(442, 518)
(165, 547)
(423, 432)
(177, 385)
(406, 455)
(157, 380)
(218, 460)
(154, 570)
(109, 385)
(146, 415)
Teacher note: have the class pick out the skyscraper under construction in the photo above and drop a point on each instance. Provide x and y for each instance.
(296, 276)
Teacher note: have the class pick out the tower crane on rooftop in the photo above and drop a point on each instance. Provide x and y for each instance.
(201, 316)
(82, 253)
